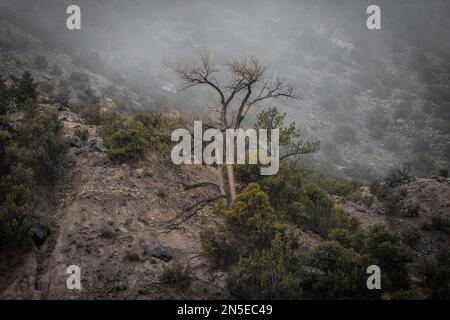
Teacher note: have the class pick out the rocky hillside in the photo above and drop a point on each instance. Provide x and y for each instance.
(126, 225)
(58, 73)
(430, 196)
(121, 225)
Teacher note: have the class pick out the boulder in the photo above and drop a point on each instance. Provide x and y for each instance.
(163, 253)
(40, 233)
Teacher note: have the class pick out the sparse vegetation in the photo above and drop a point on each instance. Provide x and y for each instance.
(82, 133)
(435, 274)
(129, 143)
(25, 88)
(35, 155)
(411, 237)
(439, 223)
(345, 133)
(176, 275)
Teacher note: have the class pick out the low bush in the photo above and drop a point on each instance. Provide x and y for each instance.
(25, 88)
(176, 275)
(82, 133)
(43, 146)
(128, 144)
(411, 237)
(439, 223)
(410, 210)
(92, 114)
(15, 205)
(435, 274)
(268, 274)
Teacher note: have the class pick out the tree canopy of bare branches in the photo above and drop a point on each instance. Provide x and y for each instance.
(246, 84)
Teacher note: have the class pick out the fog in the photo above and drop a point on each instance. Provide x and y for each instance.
(344, 71)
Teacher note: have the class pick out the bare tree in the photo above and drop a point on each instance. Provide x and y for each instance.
(246, 84)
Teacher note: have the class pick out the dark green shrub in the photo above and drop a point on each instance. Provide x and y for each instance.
(218, 248)
(319, 210)
(250, 218)
(25, 88)
(286, 193)
(337, 273)
(269, 274)
(439, 223)
(411, 237)
(92, 114)
(249, 226)
(43, 147)
(392, 198)
(436, 275)
(387, 251)
(15, 205)
(128, 144)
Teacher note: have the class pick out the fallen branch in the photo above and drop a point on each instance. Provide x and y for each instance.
(191, 211)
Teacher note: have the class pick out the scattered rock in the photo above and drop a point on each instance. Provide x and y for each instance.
(40, 233)
(74, 141)
(97, 146)
(163, 253)
(440, 179)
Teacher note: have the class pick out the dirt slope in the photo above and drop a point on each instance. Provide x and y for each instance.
(107, 218)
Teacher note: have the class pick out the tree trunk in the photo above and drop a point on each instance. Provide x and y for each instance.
(223, 191)
(231, 183)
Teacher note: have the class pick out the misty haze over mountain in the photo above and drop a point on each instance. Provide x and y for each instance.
(98, 200)
(381, 94)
